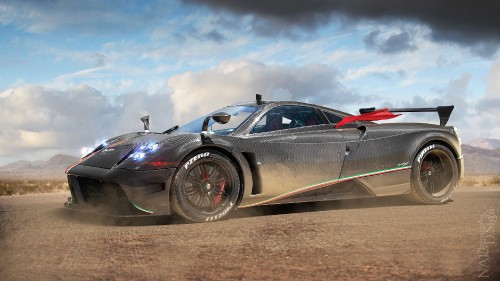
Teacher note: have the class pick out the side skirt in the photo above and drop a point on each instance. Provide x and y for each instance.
(341, 188)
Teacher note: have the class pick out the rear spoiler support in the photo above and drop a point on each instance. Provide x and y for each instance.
(444, 112)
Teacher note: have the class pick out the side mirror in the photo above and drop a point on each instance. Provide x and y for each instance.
(219, 117)
(145, 120)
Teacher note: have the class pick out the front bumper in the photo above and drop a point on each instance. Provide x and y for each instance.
(120, 191)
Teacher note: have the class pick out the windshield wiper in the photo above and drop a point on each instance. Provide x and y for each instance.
(171, 129)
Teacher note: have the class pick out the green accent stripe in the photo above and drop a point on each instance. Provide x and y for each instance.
(140, 208)
(326, 183)
(460, 157)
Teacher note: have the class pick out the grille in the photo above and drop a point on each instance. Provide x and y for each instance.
(100, 194)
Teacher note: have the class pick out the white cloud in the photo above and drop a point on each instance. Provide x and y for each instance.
(475, 118)
(487, 107)
(237, 81)
(89, 16)
(38, 121)
(354, 74)
(493, 90)
(31, 139)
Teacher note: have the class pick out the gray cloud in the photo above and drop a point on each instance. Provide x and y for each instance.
(216, 36)
(395, 43)
(310, 14)
(473, 24)
(194, 32)
(98, 59)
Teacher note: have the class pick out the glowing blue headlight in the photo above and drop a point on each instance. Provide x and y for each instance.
(141, 151)
(138, 155)
(152, 147)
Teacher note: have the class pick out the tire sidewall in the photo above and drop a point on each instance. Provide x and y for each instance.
(418, 189)
(181, 203)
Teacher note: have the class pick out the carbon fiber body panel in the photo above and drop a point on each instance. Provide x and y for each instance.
(119, 189)
(306, 163)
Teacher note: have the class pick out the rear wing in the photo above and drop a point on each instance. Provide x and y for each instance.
(444, 112)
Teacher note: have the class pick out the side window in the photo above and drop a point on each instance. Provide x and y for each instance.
(332, 117)
(287, 117)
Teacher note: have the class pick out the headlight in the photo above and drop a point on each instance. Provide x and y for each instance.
(141, 151)
(149, 156)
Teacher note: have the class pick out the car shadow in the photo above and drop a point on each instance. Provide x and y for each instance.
(308, 207)
(270, 210)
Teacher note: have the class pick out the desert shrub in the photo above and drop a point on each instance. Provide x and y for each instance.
(31, 186)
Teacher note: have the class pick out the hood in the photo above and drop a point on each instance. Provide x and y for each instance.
(116, 150)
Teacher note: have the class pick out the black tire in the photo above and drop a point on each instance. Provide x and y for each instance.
(206, 187)
(434, 175)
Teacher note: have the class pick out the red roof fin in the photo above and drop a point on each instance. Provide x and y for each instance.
(381, 114)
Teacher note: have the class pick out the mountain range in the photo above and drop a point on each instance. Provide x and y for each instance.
(485, 143)
(480, 161)
(481, 157)
(50, 169)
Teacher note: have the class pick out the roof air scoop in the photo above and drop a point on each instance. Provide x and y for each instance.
(145, 121)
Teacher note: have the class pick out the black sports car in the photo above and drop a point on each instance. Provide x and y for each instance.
(267, 152)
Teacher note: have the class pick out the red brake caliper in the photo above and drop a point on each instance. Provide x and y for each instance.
(427, 169)
(218, 197)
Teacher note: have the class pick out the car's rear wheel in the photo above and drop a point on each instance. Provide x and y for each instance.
(434, 175)
(206, 187)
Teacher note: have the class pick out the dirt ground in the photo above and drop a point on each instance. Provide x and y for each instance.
(369, 239)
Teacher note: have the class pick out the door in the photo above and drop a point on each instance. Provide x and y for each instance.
(292, 149)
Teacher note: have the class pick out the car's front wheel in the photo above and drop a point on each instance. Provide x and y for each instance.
(206, 187)
(434, 175)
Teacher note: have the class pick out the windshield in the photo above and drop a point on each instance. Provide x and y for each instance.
(238, 115)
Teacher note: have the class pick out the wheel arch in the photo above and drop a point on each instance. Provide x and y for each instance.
(236, 162)
(442, 142)
(437, 141)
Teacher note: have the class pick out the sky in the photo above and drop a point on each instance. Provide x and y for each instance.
(75, 73)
